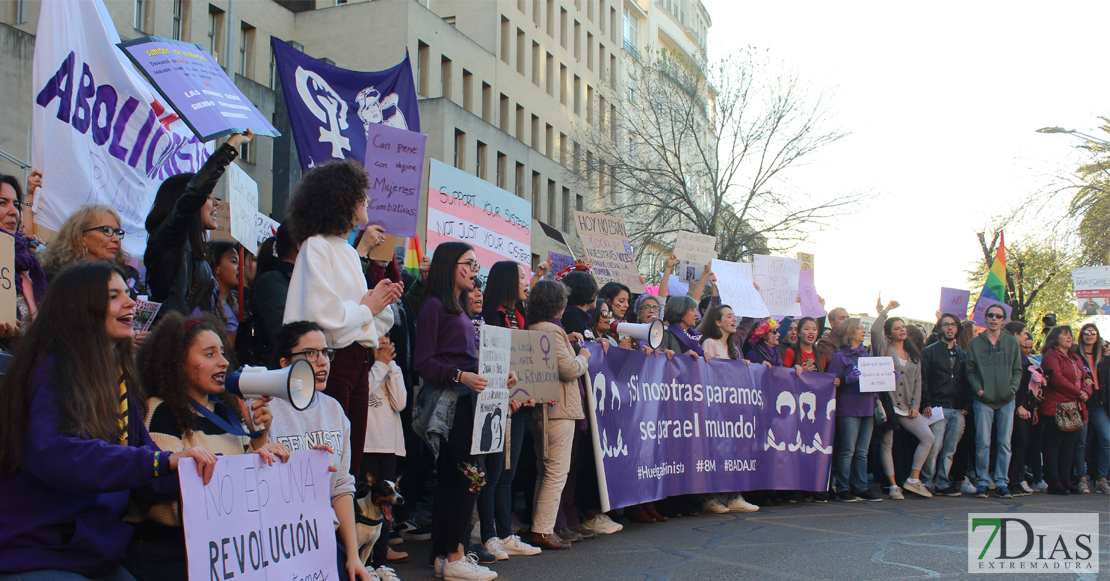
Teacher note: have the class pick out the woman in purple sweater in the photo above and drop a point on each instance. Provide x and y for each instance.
(855, 416)
(72, 444)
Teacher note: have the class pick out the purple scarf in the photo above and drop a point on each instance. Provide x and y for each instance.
(28, 263)
(688, 338)
(763, 353)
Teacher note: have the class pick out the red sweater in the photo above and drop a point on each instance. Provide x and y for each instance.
(1065, 374)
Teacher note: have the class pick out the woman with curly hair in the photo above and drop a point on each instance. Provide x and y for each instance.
(73, 447)
(328, 286)
(177, 272)
(183, 368)
(92, 232)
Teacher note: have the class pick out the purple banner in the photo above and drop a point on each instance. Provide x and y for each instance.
(665, 428)
(557, 262)
(331, 109)
(395, 163)
(196, 87)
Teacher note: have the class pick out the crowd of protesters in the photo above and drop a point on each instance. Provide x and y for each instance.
(98, 417)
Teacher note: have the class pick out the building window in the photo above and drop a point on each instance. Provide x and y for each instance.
(273, 69)
(536, 195)
(460, 150)
(566, 210)
(520, 127)
(502, 167)
(246, 153)
(422, 55)
(246, 41)
(535, 133)
(562, 27)
(590, 51)
(445, 75)
(480, 162)
(520, 55)
(487, 106)
(140, 15)
(178, 18)
(505, 39)
(504, 113)
(519, 180)
(468, 91)
(215, 19)
(21, 11)
(631, 33)
(551, 201)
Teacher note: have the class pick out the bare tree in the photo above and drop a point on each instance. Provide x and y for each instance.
(705, 149)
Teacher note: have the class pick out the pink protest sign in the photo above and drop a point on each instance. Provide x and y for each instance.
(954, 300)
(608, 250)
(811, 303)
(395, 164)
(465, 208)
(257, 522)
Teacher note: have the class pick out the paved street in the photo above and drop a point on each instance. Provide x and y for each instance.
(911, 539)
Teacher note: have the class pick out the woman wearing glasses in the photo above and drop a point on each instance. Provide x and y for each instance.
(601, 317)
(298, 430)
(1097, 430)
(92, 232)
(328, 285)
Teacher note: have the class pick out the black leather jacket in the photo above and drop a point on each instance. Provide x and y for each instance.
(177, 275)
(942, 384)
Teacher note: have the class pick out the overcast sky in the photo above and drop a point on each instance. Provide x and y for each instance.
(941, 100)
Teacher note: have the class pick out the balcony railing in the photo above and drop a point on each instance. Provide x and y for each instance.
(631, 50)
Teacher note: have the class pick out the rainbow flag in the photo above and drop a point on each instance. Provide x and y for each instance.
(413, 257)
(995, 287)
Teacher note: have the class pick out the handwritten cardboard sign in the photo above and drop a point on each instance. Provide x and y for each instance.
(465, 208)
(696, 248)
(243, 201)
(257, 522)
(223, 222)
(876, 374)
(954, 300)
(536, 366)
(806, 259)
(395, 164)
(778, 280)
(492, 407)
(734, 284)
(811, 303)
(608, 249)
(8, 280)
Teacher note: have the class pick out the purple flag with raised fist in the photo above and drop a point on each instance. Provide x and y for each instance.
(331, 109)
(665, 428)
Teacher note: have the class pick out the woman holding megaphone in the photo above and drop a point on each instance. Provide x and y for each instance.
(183, 369)
(73, 447)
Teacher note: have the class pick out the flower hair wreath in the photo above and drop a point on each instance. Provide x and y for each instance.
(761, 330)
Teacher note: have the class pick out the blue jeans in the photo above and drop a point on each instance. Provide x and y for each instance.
(120, 574)
(946, 434)
(495, 503)
(1003, 421)
(853, 440)
(1099, 428)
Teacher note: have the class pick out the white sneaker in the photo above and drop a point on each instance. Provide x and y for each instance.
(1084, 486)
(467, 569)
(603, 525)
(493, 547)
(512, 545)
(1041, 486)
(738, 504)
(714, 506)
(896, 493)
(1025, 487)
(1102, 486)
(386, 573)
(967, 487)
(917, 488)
(440, 561)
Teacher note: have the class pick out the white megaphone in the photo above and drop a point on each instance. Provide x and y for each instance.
(295, 384)
(651, 333)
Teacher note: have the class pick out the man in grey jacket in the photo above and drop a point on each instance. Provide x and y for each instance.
(994, 372)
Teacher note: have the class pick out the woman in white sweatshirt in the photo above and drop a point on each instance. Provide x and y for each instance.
(328, 286)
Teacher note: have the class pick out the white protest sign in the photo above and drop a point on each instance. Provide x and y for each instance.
(695, 248)
(7, 280)
(778, 280)
(267, 227)
(734, 284)
(492, 408)
(876, 374)
(242, 192)
(691, 271)
(258, 522)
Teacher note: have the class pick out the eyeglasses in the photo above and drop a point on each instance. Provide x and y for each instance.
(650, 309)
(473, 264)
(995, 316)
(1091, 332)
(107, 231)
(313, 354)
(606, 314)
